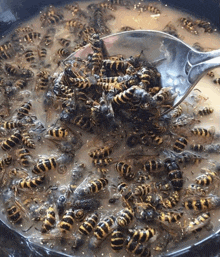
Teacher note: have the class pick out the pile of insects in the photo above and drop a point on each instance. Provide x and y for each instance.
(90, 157)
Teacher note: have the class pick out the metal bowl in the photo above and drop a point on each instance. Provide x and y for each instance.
(12, 13)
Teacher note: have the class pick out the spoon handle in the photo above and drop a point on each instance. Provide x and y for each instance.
(197, 71)
(195, 57)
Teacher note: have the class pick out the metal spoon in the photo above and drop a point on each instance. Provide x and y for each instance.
(181, 66)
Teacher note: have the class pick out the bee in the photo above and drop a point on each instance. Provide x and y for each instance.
(24, 110)
(104, 227)
(50, 17)
(203, 132)
(136, 248)
(12, 124)
(26, 139)
(195, 190)
(189, 25)
(64, 42)
(44, 165)
(89, 224)
(31, 182)
(74, 24)
(101, 153)
(24, 155)
(142, 235)
(49, 220)
(63, 52)
(145, 189)
(95, 186)
(125, 217)
(102, 162)
(197, 147)
(5, 162)
(6, 51)
(42, 52)
(153, 9)
(125, 170)
(207, 178)
(117, 239)
(66, 223)
(32, 37)
(205, 111)
(170, 216)
(11, 141)
(201, 204)
(198, 223)
(174, 174)
(172, 200)
(58, 132)
(14, 214)
(153, 165)
(30, 56)
(216, 80)
(180, 144)
(205, 25)
(20, 83)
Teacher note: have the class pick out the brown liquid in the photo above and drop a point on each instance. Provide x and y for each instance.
(47, 148)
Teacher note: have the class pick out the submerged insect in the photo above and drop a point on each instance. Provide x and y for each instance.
(124, 217)
(174, 174)
(104, 227)
(58, 132)
(125, 170)
(89, 224)
(25, 157)
(49, 220)
(153, 187)
(24, 110)
(27, 141)
(5, 162)
(172, 200)
(195, 190)
(197, 223)
(94, 186)
(205, 111)
(44, 165)
(14, 214)
(117, 239)
(197, 147)
(66, 223)
(153, 166)
(170, 216)
(136, 248)
(180, 144)
(203, 132)
(189, 25)
(142, 235)
(31, 182)
(207, 178)
(101, 153)
(11, 141)
(202, 203)
(126, 193)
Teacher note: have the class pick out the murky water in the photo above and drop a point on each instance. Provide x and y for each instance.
(33, 203)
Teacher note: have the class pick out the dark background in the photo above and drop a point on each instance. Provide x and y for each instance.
(13, 12)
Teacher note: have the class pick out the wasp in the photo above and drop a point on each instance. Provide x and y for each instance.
(12, 70)
(83, 83)
(145, 189)
(170, 216)
(101, 153)
(125, 217)
(195, 190)
(174, 174)
(99, 23)
(95, 186)
(26, 139)
(30, 56)
(49, 220)
(188, 157)
(216, 81)
(142, 235)
(83, 122)
(118, 65)
(198, 223)
(89, 224)
(207, 178)
(42, 53)
(66, 223)
(205, 111)
(205, 25)
(31, 182)
(50, 17)
(24, 155)
(180, 144)
(197, 147)
(31, 37)
(48, 39)
(20, 83)
(44, 165)
(125, 170)
(14, 214)
(6, 51)
(102, 162)
(64, 42)
(24, 110)
(104, 227)
(175, 113)
(5, 162)
(189, 25)
(164, 95)
(96, 61)
(74, 24)
(153, 9)
(153, 165)
(126, 193)
(63, 52)
(12, 124)
(117, 239)
(23, 30)
(202, 204)
(11, 141)
(136, 248)
(158, 140)
(172, 200)
(58, 132)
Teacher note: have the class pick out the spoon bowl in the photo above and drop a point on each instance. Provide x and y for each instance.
(180, 66)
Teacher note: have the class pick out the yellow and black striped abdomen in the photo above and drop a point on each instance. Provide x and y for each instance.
(11, 142)
(117, 240)
(14, 214)
(44, 165)
(125, 217)
(89, 224)
(104, 227)
(31, 182)
(49, 220)
(97, 185)
(67, 221)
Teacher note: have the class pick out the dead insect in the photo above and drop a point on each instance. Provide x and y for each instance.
(49, 220)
